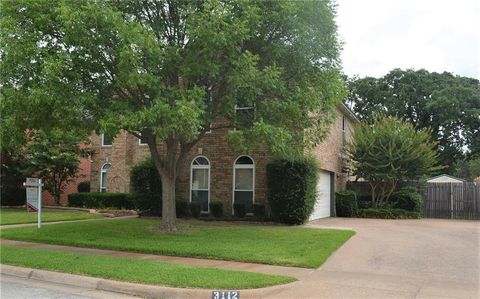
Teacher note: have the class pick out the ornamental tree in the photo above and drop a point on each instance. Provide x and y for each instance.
(171, 71)
(388, 151)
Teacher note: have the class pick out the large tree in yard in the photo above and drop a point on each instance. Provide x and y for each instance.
(172, 71)
(447, 105)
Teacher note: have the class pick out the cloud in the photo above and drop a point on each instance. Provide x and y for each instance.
(380, 35)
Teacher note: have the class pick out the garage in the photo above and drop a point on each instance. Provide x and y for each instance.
(324, 195)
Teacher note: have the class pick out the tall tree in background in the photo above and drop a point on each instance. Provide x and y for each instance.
(448, 105)
(169, 70)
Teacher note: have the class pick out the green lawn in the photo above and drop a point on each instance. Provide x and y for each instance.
(135, 270)
(17, 216)
(278, 245)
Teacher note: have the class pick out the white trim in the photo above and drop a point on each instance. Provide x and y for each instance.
(102, 171)
(192, 167)
(103, 141)
(243, 166)
(140, 140)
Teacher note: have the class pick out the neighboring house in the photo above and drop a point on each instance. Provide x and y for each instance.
(216, 173)
(445, 178)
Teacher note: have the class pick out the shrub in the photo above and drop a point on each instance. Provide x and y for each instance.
(259, 210)
(83, 186)
(408, 199)
(146, 188)
(216, 208)
(346, 203)
(388, 213)
(101, 200)
(194, 209)
(240, 210)
(291, 189)
(182, 209)
(364, 201)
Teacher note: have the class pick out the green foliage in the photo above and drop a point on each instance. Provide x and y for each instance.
(259, 210)
(83, 186)
(216, 209)
(389, 151)
(11, 181)
(146, 188)
(54, 156)
(101, 200)
(291, 189)
(169, 70)
(239, 210)
(181, 208)
(447, 105)
(194, 208)
(383, 213)
(346, 204)
(407, 199)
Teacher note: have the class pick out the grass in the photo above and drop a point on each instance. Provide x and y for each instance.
(134, 270)
(277, 245)
(18, 216)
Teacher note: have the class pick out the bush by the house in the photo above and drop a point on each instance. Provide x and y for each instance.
(381, 213)
(364, 201)
(194, 209)
(101, 200)
(83, 186)
(239, 210)
(291, 189)
(259, 210)
(182, 209)
(216, 208)
(408, 199)
(346, 203)
(146, 188)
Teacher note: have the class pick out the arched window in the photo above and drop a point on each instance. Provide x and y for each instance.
(244, 182)
(200, 182)
(103, 177)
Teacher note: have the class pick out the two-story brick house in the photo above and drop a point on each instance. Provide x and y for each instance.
(216, 173)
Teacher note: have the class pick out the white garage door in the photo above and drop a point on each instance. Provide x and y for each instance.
(322, 205)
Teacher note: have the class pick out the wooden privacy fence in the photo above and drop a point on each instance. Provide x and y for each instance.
(452, 200)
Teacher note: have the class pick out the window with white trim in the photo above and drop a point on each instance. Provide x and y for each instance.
(200, 183)
(244, 116)
(106, 140)
(244, 182)
(142, 140)
(103, 177)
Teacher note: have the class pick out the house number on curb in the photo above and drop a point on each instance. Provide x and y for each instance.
(225, 295)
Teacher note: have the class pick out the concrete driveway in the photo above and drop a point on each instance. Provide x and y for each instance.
(426, 258)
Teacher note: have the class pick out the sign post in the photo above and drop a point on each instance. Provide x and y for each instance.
(34, 197)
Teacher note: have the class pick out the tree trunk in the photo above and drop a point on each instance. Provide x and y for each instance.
(168, 204)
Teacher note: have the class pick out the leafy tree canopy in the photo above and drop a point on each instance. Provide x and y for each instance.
(448, 105)
(171, 69)
(388, 151)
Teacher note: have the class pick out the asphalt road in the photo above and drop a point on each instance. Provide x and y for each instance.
(12, 287)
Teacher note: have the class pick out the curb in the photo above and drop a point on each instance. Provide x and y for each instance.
(101, 284)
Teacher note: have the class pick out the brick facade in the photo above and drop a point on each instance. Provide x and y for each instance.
(125, 152)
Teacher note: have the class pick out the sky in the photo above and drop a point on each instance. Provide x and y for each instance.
(378, 36)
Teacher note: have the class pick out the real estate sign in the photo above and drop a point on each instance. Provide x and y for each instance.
(34, 197)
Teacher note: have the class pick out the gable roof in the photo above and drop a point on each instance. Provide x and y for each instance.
(348, 112)
(446, 176)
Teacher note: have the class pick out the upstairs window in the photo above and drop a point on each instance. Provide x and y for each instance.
(142, 140)
(106, 140)
(244, 115)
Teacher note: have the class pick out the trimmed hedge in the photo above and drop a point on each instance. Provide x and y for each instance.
(216, 209)
(291, 189)
(388, 214)
(83, 186)
(239, 210)
(346, 203)
(259, 210)
(146, 188)
(181, 208)
(407, 199)
(101, 200)
(194, 209)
